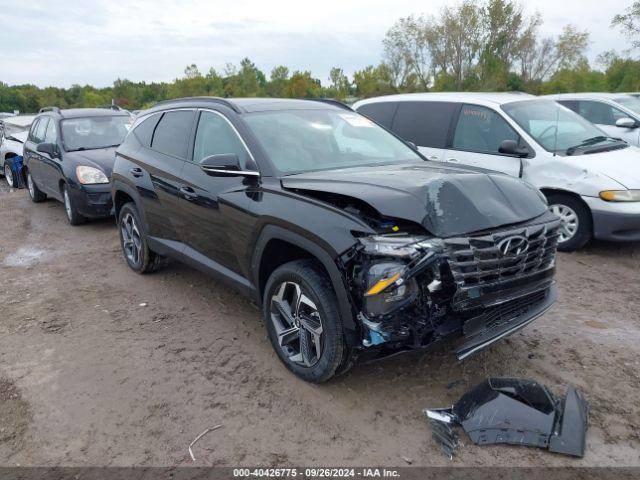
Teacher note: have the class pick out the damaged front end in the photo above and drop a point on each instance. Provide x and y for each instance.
(413, 291)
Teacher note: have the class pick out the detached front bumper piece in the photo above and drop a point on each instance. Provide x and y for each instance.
(517, 412)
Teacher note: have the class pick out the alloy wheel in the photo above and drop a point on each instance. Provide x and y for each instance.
(297, 324)
(8, 175)
(569, 219)
(131, 240)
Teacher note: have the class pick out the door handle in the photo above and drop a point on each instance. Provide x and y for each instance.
(136, 172)
(188, 193)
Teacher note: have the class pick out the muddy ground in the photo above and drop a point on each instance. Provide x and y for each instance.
(100, 366)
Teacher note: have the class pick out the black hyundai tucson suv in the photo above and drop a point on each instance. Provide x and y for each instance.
(353, 243)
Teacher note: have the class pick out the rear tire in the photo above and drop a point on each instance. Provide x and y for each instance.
(577, 225)
(300, 310)
(8, 173)
(70, 208)
(34, 192)
(136, 251)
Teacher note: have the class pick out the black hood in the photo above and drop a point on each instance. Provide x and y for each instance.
(102, 158)
(446, 201)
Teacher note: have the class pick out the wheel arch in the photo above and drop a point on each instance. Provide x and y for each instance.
(547, 191)
(276, 246)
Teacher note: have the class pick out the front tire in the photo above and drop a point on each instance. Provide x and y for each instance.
(70, 208)
(576, 229)
(8, 174)
(303, 321)
(136, 251)
(34, 192)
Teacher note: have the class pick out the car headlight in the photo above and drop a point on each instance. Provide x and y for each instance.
(389, 280)
(620, 195)
(89, 175)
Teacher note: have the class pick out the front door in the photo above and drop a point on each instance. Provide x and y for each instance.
(477, 137)
(206, 213)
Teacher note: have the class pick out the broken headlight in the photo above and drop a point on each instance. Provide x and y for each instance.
(389, 281)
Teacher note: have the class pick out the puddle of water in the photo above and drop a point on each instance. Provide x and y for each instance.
(23, 257)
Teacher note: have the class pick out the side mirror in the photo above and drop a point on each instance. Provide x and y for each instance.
(49, 148)
(626, 122)
(510, 147)
(225, 164)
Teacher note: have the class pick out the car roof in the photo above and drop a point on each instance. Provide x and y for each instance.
(85, 112)
(482, 98)
(585, 95)
(247, 105)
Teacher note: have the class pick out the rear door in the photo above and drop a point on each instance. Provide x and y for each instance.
(157, 167)
(35, 159)
(478, 133)
(427, 124)
(206, 216)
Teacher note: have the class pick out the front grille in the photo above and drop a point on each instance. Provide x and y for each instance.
(478, 261)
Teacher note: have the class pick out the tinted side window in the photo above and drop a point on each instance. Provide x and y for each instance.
(424, 123)
(480, 129)
(599, 112)
(39, 132)
(381, 113)
(172, 133)
(51, 135)
(215, 137)
(144, 130)
(570, 104)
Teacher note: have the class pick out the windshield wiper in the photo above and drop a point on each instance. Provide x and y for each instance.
(589, 142)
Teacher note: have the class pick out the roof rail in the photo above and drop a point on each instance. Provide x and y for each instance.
(49, 109)
(222, 101)
(331, 101)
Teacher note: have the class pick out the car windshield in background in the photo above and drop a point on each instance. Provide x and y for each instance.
(558, 129)
(305, 140)
(632, 103)
(91, 133)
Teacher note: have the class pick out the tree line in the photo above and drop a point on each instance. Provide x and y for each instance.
(471, 46)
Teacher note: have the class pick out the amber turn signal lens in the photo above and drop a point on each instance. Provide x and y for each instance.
(382, 284)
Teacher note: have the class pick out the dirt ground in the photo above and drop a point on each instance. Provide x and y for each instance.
(100, 366)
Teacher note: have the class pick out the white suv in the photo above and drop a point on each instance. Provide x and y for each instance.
(592, 181)
(617, 114)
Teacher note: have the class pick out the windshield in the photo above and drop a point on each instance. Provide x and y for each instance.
(632, 103)
(91, 133)
(7, 129)
(304, 140)
(556, 128)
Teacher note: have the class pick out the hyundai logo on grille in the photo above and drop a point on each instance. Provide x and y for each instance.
(513, 246)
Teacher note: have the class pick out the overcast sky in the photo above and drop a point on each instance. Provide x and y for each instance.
(48, 42)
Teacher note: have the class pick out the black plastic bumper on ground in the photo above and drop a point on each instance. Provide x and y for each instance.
(620, 227)
(483, 335)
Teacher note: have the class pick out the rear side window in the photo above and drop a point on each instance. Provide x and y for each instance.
(381, 113)
(216, 137)
(171, 135)
(599, 112)
(424, 123)
(144, 131)
(482, 130)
